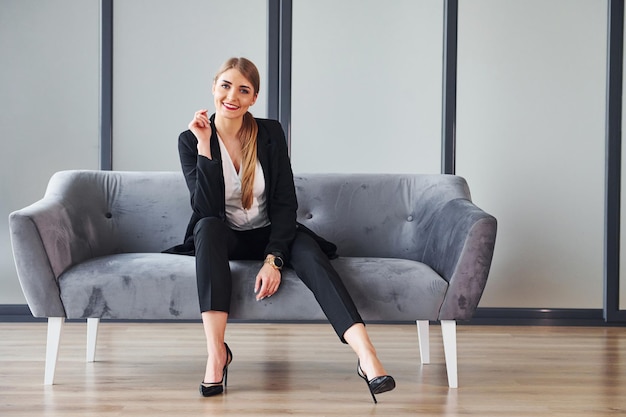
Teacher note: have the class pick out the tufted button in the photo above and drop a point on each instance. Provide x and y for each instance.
(409, 219)
(309, 216)
(108, 215)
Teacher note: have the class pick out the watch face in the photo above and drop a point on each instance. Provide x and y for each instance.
(278, 262)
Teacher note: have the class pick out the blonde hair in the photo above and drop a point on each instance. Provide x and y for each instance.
(249, 128)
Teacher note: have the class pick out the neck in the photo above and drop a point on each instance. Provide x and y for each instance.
(228, 127)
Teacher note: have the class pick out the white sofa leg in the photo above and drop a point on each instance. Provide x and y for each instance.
(423, 336)
(55, 327)
(448, 331)
(92, 338)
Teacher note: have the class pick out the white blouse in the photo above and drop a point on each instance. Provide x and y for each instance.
(237, 217)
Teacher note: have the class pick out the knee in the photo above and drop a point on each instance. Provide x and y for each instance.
(209, 227)
(305, 251)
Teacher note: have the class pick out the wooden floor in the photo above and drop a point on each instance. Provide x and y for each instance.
(147, 369)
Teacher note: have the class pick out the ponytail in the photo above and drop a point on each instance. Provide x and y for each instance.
(248, 135)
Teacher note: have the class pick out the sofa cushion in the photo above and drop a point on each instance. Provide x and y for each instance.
(160, 286)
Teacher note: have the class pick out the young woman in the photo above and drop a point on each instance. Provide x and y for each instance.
(244, 207)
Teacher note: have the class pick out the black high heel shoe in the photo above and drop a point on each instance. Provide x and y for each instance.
(377, 385)
(209, 389)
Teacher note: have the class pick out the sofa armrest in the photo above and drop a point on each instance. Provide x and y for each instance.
(460, 248)
(33, 263)
(67, 226)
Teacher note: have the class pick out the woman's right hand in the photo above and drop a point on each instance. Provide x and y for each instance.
(200, 126)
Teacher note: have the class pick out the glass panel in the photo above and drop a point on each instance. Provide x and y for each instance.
(165, 56)
(49, 96)
(531, 141)
(366, 86)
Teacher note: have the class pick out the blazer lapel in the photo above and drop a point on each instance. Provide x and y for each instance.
(215, 145)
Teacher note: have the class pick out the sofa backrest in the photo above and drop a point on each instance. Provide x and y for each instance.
(118, 211)
(381, 215)
(384, 215)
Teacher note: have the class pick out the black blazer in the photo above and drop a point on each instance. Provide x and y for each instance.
(205, 180)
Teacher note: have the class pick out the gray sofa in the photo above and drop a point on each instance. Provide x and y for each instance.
(412, 247)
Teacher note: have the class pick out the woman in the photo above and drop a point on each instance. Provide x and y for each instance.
(242, 193)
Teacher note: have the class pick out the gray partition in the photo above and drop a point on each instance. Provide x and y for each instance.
(49, 99)
(165, 54)
(531, 98)
(622, 275)
(366, 86)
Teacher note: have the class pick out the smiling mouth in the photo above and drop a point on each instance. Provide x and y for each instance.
(230, 106)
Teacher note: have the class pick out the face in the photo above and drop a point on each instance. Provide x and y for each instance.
(233, 94)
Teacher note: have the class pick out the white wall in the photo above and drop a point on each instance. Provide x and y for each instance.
(366, 98)
(49, 83)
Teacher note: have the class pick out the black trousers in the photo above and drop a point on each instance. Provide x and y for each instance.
(216, 244)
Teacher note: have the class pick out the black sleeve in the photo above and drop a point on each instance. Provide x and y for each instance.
(204, 178)
(282, 202)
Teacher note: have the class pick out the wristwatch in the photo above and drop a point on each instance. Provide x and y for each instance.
(275, 261)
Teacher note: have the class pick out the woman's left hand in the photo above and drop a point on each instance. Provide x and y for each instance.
(267, 282)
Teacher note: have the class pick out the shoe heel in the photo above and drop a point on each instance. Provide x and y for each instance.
(229, 359)
(378, 384)
(360, 373)
(215, 388)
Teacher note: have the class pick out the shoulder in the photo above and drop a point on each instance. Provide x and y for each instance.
(270, 130)
(269, 125)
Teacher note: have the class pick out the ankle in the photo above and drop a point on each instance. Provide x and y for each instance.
(216, 349)
(367, 354)
(371, 365)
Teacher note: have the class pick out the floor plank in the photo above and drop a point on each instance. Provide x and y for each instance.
(149, 369)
